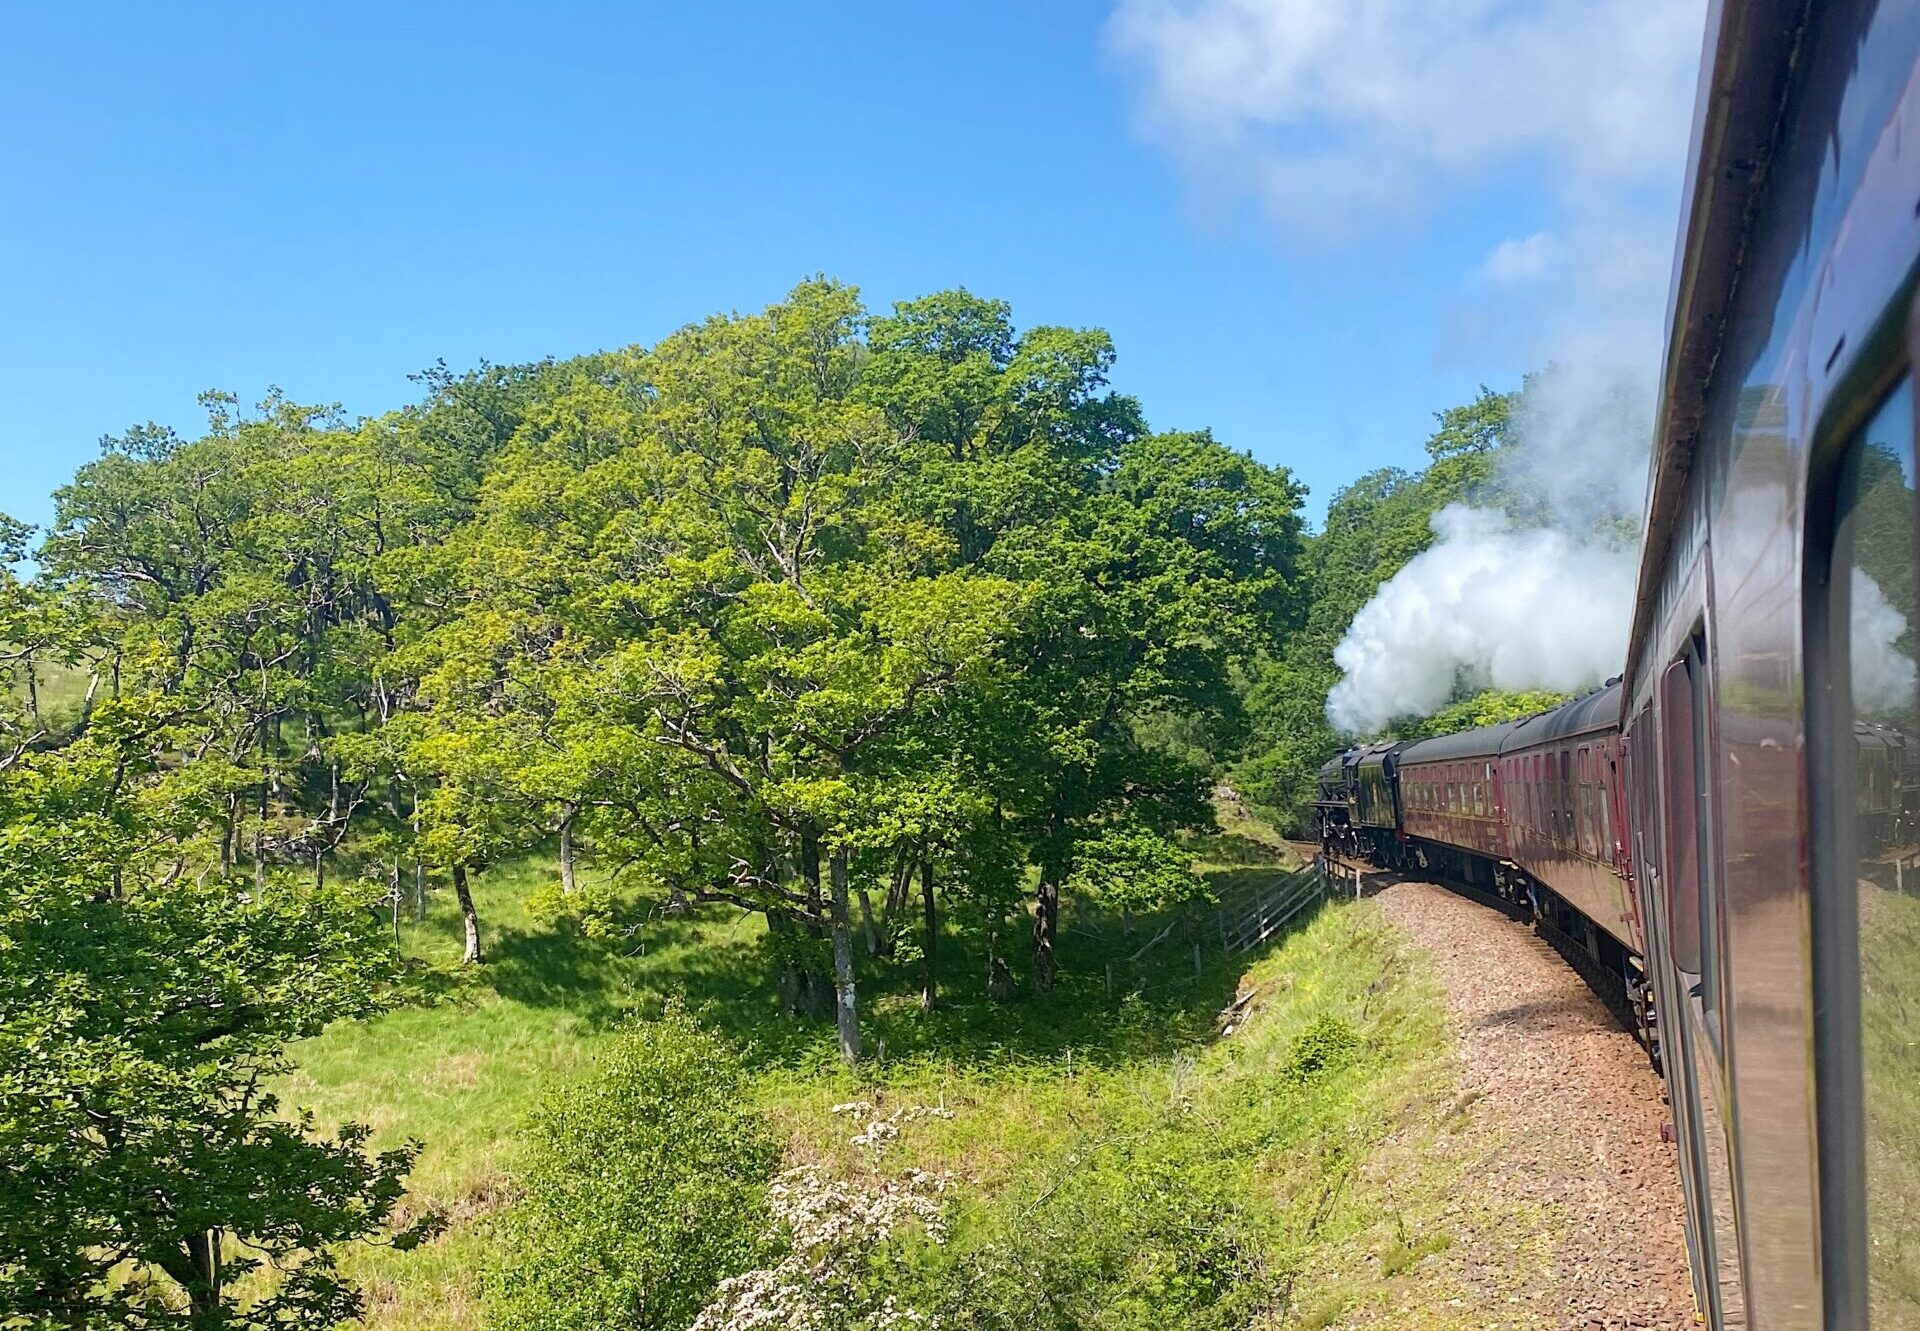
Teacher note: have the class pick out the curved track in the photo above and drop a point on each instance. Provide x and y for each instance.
(1566, 1134)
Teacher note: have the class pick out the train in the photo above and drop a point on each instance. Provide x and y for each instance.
(1726, 835)
(1529, 815)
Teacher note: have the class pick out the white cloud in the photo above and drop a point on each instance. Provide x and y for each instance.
(1341, 118)
(1327, 105)
(1520, 262)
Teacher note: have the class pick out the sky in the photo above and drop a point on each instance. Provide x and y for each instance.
(1308, 224)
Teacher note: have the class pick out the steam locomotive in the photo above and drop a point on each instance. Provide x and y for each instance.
(1728, 831)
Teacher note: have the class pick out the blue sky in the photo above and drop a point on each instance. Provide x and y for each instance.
(326, 198)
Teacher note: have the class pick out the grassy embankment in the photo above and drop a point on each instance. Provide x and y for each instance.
(1890, 1001)
(1290, 1136)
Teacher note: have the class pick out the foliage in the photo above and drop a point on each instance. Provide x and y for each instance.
(1488, 708)
(645, 1187)
(833, 1238)
(143, 1020)
(899, 629)
(1127, 866)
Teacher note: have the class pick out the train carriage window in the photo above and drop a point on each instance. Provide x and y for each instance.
(1565, 794)
(1549, 815)
(1582, 770)
(1548, 797)
(1607, 850)
(1867, 899)
(1696, 1040)
(1690, 906)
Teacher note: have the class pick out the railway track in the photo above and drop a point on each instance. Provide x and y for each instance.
(1609, 988)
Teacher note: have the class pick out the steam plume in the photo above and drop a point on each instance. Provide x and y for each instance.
(1540, 600)
(1883, 675)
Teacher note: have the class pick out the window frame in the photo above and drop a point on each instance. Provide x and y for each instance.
(1884, 364)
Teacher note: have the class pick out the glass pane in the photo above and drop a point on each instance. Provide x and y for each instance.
(1682, 857)
(1874, 544)
(1606, 824)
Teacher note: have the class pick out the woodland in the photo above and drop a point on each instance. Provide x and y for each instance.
(780, 742)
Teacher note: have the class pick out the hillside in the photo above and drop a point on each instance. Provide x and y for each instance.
(1067, 1130)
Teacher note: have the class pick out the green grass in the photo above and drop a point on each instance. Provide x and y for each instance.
(62, 691)
(1281, 1117)
(1890, 1016)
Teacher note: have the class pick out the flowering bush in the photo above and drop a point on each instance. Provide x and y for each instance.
(881, 1130)
(832, 1232)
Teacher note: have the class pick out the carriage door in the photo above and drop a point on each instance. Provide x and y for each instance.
(1694, 1042)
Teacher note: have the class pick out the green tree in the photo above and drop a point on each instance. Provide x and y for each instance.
(146, 1166)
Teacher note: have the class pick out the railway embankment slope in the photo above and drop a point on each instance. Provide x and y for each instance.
(1547, 1170)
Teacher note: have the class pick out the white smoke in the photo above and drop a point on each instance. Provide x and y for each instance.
(1542, 603)
(1883, 675)
(1488, 605)
(1354, 119)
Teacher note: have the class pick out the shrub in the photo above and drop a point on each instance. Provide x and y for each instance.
(1132, 1236)
(1326, 1045)
(645, 1188)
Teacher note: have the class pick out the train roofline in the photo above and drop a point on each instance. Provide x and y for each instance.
(1746, 64)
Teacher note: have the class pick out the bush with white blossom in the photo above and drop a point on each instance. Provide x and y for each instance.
(831, 1231)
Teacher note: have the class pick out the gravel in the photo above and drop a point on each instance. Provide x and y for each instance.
(1567, 1114)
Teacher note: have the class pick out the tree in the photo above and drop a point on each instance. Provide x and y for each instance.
(143, 1020)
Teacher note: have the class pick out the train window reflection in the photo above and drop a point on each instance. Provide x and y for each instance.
(1874, 590)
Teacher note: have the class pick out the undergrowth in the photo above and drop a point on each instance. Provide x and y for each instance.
(1114, 1162)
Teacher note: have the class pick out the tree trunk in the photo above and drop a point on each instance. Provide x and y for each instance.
(195, 1267)
(260, 827)
(787, 980)
(566, 849)
(227, 832)
(929, 978)
(468, 916)
(846, 1005)
(999, 977)
(810, 874)
(33, 690)
(866, 923)
(393, 900)
(419, 869)
(814, 987)
(1046, 925)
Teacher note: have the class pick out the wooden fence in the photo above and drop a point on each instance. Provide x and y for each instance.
(1256, 913)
